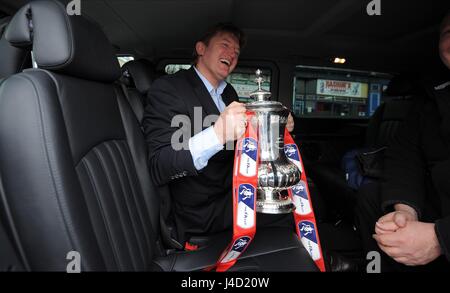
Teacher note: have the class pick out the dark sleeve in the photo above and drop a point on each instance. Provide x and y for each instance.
(442, 228)
(165, 162)
(374, 125)
(404, 167)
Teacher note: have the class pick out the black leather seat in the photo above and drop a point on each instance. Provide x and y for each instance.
(79, 188)
(12, 59)
(138, 76)
(73, 161)
(385, 122)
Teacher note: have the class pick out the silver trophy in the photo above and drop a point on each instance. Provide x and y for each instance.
(275, 172)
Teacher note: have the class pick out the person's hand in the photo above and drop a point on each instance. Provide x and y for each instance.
(414, 244)
(290, 123)
(231, 123)
(393, 221)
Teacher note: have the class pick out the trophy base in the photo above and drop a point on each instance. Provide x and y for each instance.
(275, 206)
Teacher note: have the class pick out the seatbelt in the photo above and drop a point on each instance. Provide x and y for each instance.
(167, 238)
(245, 179)
(127, 95)
(11, 228)
(125, 91)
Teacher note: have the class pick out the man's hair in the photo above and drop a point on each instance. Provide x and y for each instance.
(221, 28)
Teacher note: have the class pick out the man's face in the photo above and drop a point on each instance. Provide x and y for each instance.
(219, 58)
(444, 43)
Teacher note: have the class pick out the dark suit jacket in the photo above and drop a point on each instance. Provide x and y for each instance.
(201, 199)
(417, 164)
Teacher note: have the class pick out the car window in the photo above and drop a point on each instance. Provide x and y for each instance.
(124, 59)
(173, 68)
(243, 81)
(328, 92)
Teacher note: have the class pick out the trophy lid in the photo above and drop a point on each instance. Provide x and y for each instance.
(260, 94)
(261, 98)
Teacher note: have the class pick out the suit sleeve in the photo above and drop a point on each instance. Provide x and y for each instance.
(167, 162)
(405, 167)
(442, 228)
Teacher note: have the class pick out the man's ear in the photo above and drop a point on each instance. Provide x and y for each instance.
(200, 48)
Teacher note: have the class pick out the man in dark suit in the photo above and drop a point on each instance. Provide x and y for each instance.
(192, 159)
(415, 194)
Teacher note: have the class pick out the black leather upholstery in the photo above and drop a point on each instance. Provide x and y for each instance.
(141, 74)
(400, 86)
(273, 249)
(79, 182)
(138, 76)
(9, 260)
(12, 59)
(19, 32)
(78, 187)
(73, 165)
(388, 117)
(65, 44)
(386, 121)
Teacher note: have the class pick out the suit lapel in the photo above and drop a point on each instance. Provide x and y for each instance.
(229, 95)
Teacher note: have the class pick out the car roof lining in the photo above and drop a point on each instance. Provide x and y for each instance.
(312, 35)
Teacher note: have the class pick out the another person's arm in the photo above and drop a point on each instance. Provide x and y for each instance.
(399, 233)
(442, 230)
(404, 169)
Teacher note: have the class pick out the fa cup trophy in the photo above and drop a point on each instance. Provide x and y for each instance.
(275, 172)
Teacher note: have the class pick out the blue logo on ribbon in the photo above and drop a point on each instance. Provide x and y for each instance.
(240, 244)
(308, 230)
(247, 194)
(291, 151)
(300, 190)
(250, 147)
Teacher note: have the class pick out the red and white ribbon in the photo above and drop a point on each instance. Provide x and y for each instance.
(245, 182)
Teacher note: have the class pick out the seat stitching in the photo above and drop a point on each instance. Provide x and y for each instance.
(108, 231)
(127, 203)
(116, 204)
(141, 214)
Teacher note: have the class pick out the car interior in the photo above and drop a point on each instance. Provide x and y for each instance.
(73, 89)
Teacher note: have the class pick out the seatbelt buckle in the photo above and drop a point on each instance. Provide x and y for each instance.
(190, 247)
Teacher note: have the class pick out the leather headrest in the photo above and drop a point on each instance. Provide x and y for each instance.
(12, 59)
(141, 72)
(3, 24)
(400, 85)
(72, 45)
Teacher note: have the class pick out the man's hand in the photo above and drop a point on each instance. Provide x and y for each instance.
(290, 123)
(393, 221)
(414, 244)
(231, 123)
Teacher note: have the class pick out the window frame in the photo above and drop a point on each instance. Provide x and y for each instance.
(341, 74)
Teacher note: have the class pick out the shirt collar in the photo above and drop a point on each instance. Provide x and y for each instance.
(209, 87)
